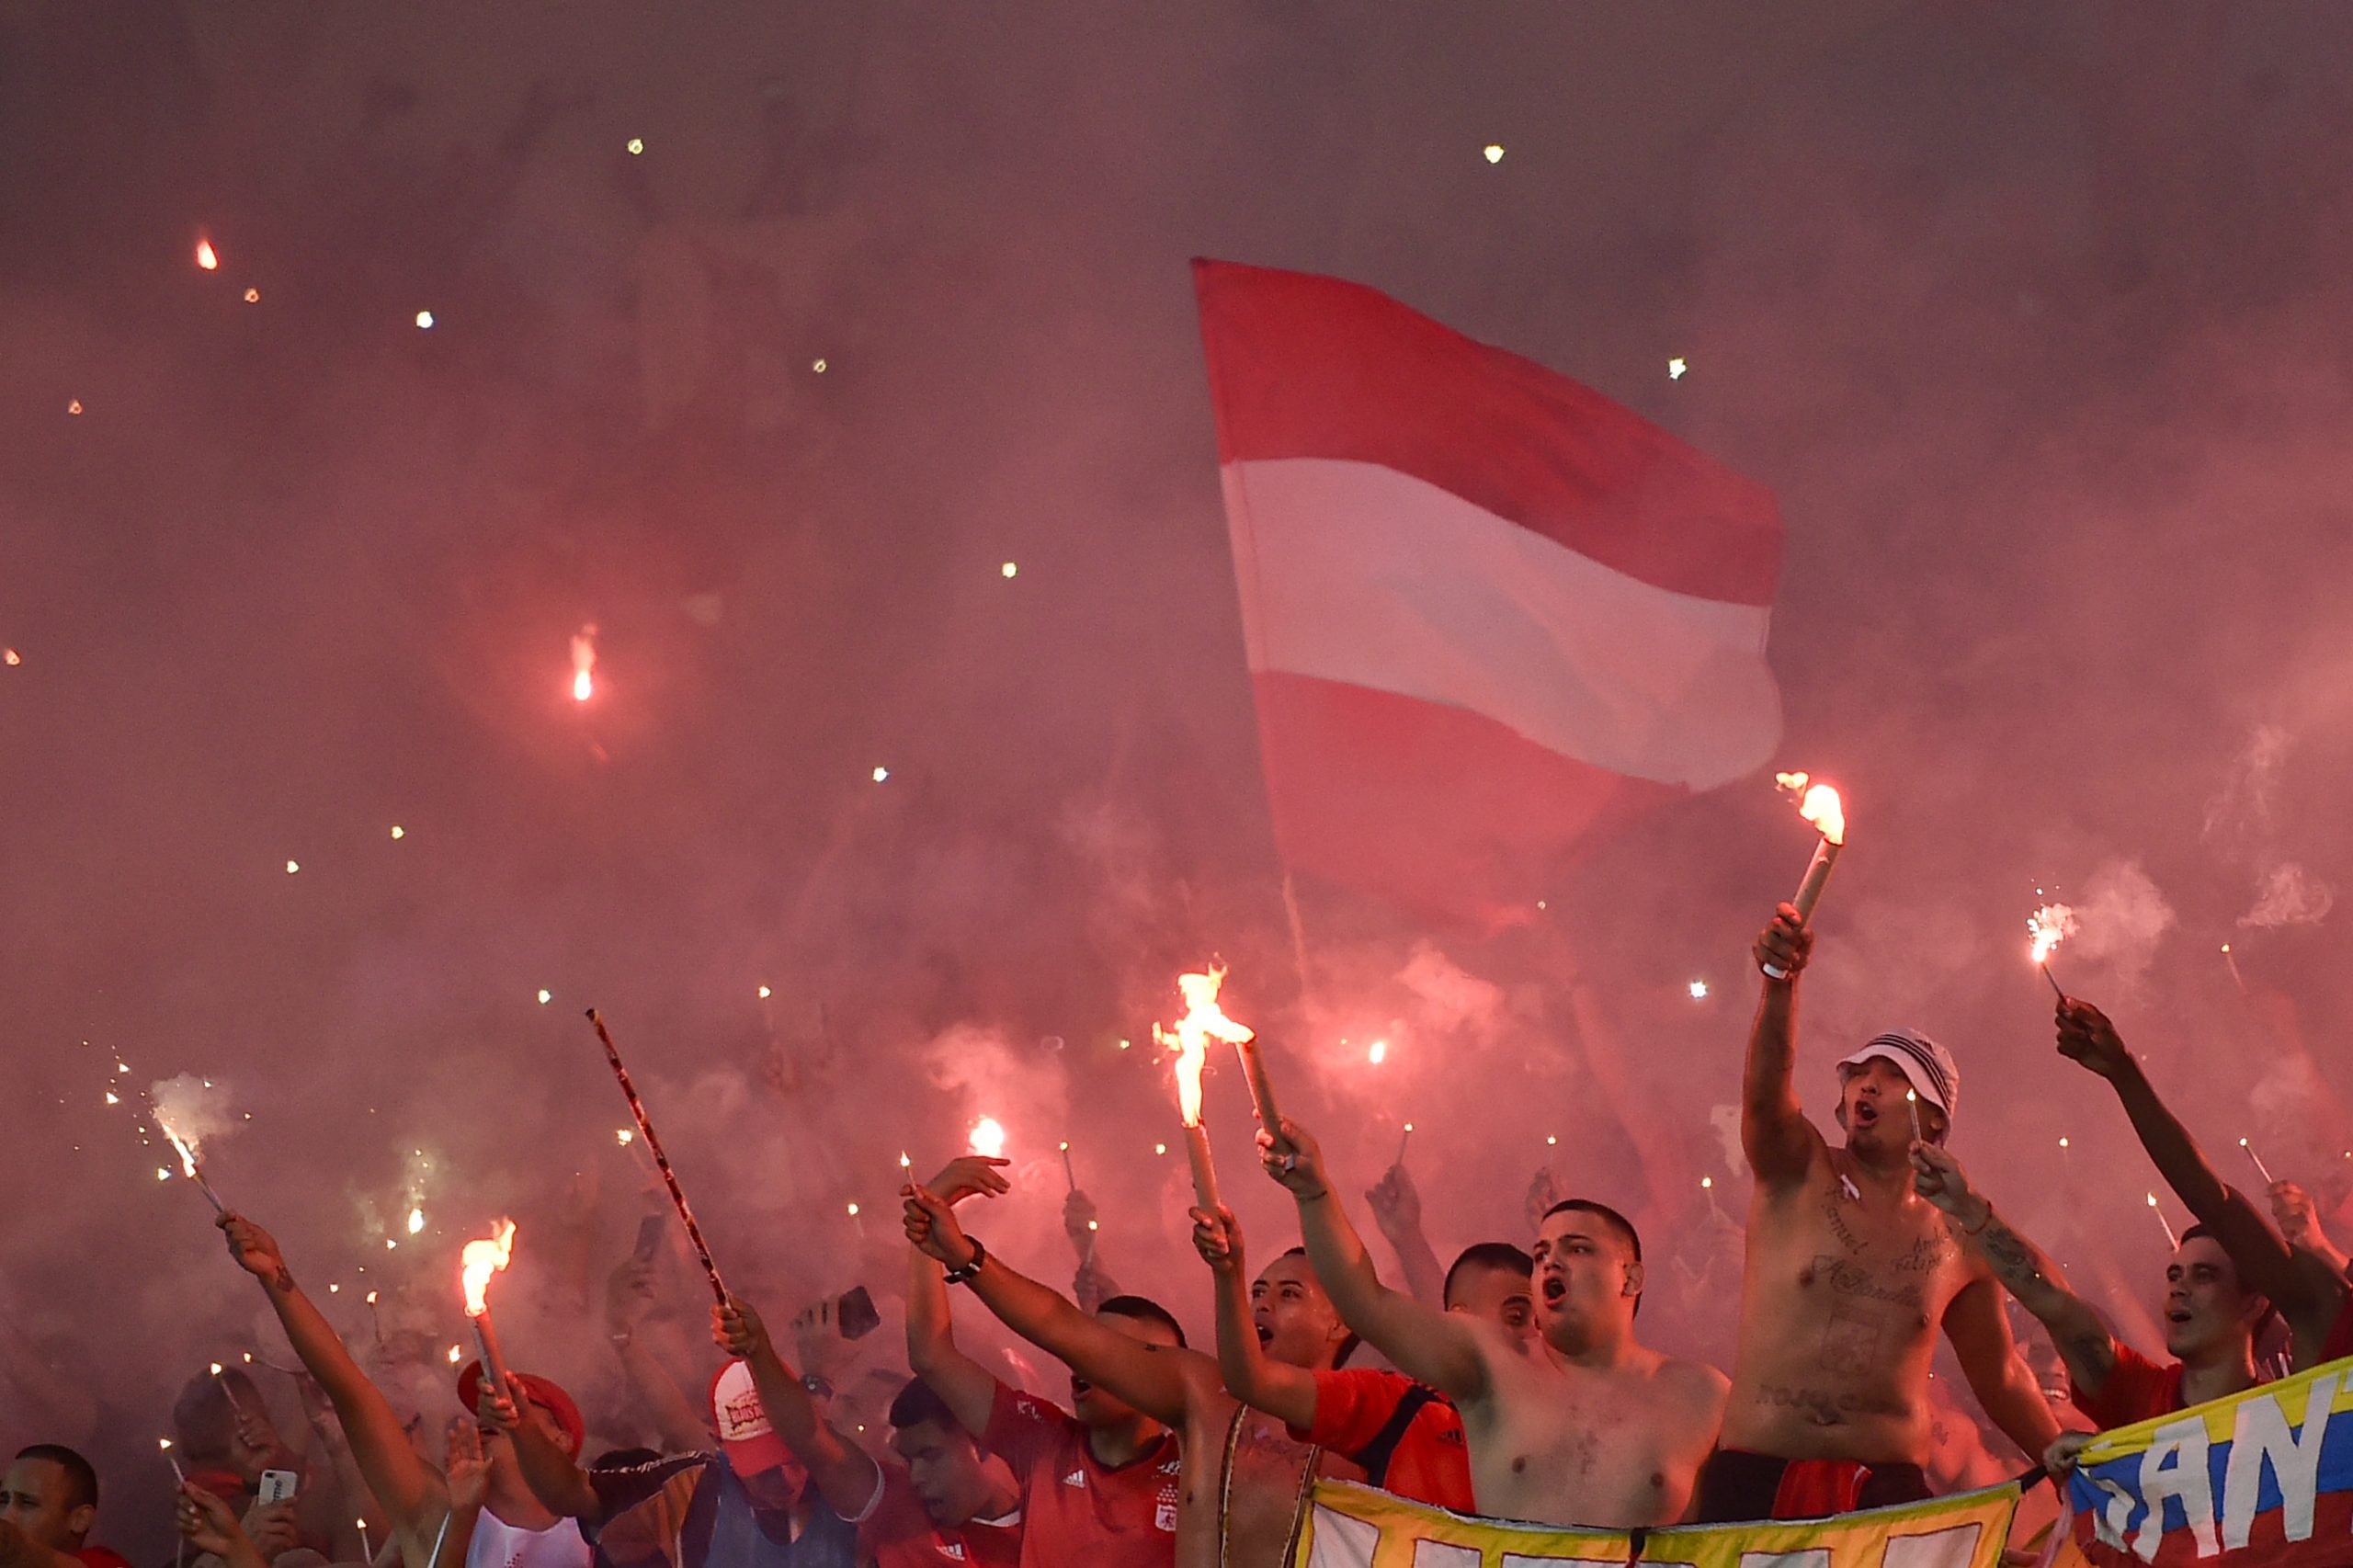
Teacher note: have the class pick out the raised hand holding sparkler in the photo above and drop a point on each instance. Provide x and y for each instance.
(2046, 929)
(1820, 805)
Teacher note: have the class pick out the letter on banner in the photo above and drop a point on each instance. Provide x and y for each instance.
(2260, 1438)
(2185, 1480)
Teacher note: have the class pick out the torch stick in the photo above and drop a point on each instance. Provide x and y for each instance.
(1817, 872)
(1197, 1151)
(661, 1159)
(1262, 1088)
(2057, 989)
(2260, 1169)
(494, 1365)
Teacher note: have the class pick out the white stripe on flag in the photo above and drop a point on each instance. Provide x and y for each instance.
(1356, 573)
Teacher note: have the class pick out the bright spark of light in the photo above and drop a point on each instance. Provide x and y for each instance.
(205, 256)
(988, 1137)
(818, 365)
(372, 1298)
(1377, 1053)
(399, 832)
(425, 320)
(2046, 929)
(853, 1211)
(765, 993)
(292, 867)
(1010, 569)
(904, 1163)
(1494, 151)
(253, 296)
(11, 657)
(113, 1098)
(1698, 989)
(624, 1136)
(455, 1355)
(546, 996)
(216, 1368)
(1552, 1141)
(880, 774)
(1675, 369)
(415, 1222)
(636, 146)
(162, 1174)
(1160, 1148)
(75, 406)
(584, 659)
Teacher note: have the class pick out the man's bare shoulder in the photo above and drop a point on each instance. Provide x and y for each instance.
(1696, 1382)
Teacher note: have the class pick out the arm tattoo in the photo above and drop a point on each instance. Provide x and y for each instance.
(283, 1280)
(2011, 1256)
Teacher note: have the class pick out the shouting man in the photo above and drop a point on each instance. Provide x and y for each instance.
(1585, 1424)
(1850, 1274)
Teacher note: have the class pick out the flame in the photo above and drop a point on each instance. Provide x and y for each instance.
(455, 1355)
(1818, 803)
(482, 1259)
(1203, 1021)
(1379, 1054)
(185, 1147)
(988, 1137)
(583, 659)
(624, 1136)
(205, 256)
(415, 1221)
(2047, 927)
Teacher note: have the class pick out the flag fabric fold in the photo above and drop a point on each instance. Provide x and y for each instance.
(1487, 611)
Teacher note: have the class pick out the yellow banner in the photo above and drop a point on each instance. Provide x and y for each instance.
(1355, 1526)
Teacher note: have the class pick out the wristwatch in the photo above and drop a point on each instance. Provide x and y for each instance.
(979, 1255)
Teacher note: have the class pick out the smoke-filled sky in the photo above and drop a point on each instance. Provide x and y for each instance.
(2031, 316)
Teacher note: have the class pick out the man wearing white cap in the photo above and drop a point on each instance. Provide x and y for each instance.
(1849, 1275)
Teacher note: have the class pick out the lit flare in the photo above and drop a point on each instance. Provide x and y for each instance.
(480, 1260)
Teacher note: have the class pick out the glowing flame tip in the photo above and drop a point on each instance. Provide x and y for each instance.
(480, 1260)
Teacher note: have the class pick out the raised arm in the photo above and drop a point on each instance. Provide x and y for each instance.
(1439, 1348)
(1997, 1374)
(847, 1477)
(2298, 1217)
(407, 1487)
(963, 1384)
(2306, 1291)
(1155, 1379)
(1284, 1392)
(2023, 1268)
(1774, 1133)
(1396, 1207)
(628, 1292)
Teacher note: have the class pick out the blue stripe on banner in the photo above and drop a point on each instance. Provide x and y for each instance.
(2134, 1475)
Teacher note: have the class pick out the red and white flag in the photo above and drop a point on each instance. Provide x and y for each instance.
(1488, 611)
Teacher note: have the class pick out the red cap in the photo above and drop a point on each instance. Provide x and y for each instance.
(745, 1434)
(541, 1391)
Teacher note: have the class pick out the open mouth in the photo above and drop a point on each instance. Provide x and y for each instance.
(1866, 1113)
(2177, 1315)
(1266, 1334)
(1555, 1288)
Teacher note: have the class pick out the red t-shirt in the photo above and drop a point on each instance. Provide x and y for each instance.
(901, 1535)
(1074, 1509)
(102, 1557)
(2137, 1390)
(1430, 1461)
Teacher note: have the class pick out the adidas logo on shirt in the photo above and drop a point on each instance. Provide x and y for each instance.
(1075, 1478)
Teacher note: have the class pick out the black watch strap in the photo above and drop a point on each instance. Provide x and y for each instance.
(964, 1275)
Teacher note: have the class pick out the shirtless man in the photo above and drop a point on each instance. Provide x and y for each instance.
(1849, 1273)
(1582, 1426)
(1243, 1479)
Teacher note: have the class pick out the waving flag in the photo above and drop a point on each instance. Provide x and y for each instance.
(2263, 1479)
(1354, 1527)
(1487, 610)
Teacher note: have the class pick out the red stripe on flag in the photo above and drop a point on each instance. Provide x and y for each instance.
(1308, 367)
(2267, 1546)
(1449, 813)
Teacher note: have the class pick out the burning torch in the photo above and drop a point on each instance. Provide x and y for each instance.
(476, 1264)
(1818, 803)
(661, 1159)
(1191, 1037)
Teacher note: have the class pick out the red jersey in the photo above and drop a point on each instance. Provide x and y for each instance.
(101, 1557)
(901, 1535)
(2137, 1390)
(1360, 1416)
(1076, 1509)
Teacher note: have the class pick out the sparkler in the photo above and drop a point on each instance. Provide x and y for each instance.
(2047, 927)
(2171, 1240)
(185, 1147)
(476, 1264)
(2260, 1168)
(661, 1159)
(1819, 805)
(2230, 961)
(584, 659)
(1069, 1177)
(1912, 1107)
(173, 1460)
(1403, 1139)
(1708, 1186)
